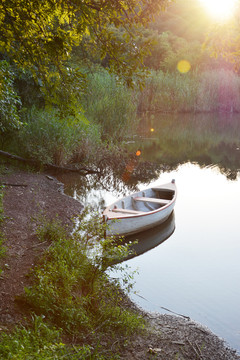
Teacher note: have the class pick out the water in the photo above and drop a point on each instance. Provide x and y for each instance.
(196, 271)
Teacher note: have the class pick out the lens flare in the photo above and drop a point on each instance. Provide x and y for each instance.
(183, 66)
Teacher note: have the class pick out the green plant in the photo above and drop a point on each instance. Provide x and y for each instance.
(40, 341)
(50, 138)
(71, 287)
(49, 230)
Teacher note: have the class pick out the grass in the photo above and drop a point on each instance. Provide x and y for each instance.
(110, 105)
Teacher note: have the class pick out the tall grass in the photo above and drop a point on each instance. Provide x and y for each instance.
(168, 92)
(219, 90)
(110, 104)
(209, 91)
(52, 139)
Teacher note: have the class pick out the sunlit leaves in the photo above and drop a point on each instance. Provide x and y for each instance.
(224, 41)
(41, 35)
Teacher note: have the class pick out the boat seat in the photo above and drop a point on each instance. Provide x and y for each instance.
(127, 211)
(153, 200)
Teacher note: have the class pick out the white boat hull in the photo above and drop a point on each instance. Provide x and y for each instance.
(144, 216)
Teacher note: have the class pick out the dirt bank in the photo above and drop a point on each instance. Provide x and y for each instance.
(29, 195)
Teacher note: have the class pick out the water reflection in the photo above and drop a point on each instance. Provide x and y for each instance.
(205, 139)
(149, 239)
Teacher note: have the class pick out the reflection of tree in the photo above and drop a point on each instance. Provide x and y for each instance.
(207, 139)
(119, 174)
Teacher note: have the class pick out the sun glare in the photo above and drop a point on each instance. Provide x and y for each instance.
(221, 10)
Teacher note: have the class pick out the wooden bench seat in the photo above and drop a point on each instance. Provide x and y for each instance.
(127, 211)
(152, 200)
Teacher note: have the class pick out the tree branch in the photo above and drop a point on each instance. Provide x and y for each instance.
(82, 171)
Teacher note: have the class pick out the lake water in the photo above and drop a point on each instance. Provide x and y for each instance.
(196, 271)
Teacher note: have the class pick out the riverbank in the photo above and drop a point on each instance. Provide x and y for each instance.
(30, 196)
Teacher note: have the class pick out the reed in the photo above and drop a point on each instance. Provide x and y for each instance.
(109, 104)
(209, 91)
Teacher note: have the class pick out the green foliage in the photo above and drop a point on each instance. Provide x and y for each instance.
(9, 101)
(223, 43)
(111, 105)
(40, 38)
(167, 49)
(29, 91)
(51, 138)
(39, 341)
(49, 230)
(71, 287)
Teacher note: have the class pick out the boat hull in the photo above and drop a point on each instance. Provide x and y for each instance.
(135, 224)
(122, 225)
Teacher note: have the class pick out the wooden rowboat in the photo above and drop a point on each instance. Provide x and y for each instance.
(141, 211)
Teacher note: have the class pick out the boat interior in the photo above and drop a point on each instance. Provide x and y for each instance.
(143, 201)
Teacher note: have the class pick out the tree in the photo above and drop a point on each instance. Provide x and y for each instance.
(40, 36)
(223, 42)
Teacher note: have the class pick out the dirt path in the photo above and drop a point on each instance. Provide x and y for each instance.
(27, 195)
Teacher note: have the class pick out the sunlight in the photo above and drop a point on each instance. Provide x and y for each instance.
(221, 10)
